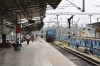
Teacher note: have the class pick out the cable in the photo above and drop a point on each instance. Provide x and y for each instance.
(75, 5)
(65, 7)
(92, 6)
(59, 10)
(84, 20)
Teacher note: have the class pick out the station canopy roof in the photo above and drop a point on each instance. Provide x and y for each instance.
(95, 24)
(26, 8)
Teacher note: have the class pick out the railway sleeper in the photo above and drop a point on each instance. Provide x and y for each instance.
(94, 62)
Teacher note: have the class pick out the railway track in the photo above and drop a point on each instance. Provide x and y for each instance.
(77, 58)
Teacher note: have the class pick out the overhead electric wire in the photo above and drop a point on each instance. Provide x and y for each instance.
(76, 6)
(90, 8)
(59, 10)
(63, 8)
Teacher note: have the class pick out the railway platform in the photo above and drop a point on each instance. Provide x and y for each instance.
(37, 53)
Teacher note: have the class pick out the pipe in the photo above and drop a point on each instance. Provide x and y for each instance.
(21, 8)
(20, 26)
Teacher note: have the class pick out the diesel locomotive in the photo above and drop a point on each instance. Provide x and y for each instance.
(50, 35)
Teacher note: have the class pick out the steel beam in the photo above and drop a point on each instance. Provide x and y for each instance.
(72, 13)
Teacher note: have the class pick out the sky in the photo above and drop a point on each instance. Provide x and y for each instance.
(91, 6)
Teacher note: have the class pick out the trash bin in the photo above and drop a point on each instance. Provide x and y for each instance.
(17, 48)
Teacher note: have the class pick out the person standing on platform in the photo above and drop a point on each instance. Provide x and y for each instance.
(32, 37)
(36, 35)
(27, 38)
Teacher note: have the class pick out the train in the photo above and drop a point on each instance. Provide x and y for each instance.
(50, 35)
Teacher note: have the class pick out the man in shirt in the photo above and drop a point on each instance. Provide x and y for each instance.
(28, 38)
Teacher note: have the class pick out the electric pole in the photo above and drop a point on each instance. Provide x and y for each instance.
(90, 18)
(58, 25)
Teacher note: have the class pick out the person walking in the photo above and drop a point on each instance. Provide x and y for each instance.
(32, 37)
(27, 38)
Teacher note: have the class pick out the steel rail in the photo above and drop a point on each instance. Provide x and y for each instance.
(88, 59)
